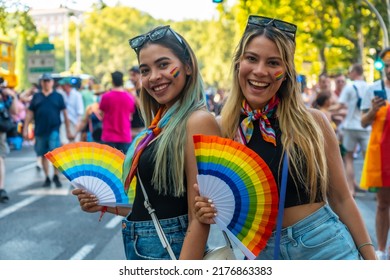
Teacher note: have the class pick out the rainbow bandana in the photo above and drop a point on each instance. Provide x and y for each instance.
(262, 115)
(141, 142)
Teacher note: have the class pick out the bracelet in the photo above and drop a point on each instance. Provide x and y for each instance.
(116, 210)
(104, 209)
(365, 244)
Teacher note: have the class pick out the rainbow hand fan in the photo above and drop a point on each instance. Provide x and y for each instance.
(96, 168)
(242, 188)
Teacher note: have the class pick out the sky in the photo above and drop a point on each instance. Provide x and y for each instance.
(176, 10)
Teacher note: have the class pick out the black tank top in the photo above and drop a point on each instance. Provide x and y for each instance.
(295, 193)
(166, 206)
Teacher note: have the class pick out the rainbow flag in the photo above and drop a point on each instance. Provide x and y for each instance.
(376, 168)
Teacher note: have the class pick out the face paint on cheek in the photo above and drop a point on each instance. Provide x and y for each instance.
(175, 72)
(279, 75)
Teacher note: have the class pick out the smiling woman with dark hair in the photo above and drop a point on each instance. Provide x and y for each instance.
(162, 156)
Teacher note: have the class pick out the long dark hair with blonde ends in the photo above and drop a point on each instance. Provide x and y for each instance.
(169, 173)
(302, 137)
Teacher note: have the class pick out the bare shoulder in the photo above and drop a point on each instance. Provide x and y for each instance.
(322, 120)
(316, 114)
(202, 121)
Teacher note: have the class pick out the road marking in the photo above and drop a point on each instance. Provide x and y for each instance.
(19, 205)
(114, 222)
(47, 191)
(83, 252)
(10, 158)
(25, 167)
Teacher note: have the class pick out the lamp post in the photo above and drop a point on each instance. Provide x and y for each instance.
(76, 20)
(66, 42)
(381, 21)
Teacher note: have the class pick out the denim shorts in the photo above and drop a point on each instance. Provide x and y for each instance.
(319, 236)
(44, 144)
(141, 241)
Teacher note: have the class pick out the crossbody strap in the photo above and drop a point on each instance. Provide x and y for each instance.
(282, 197)
(356, 91)
(160, 232)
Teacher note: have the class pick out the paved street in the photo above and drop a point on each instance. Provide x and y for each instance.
(48, 224)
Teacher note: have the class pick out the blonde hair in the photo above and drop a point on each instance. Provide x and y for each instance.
(302, 138)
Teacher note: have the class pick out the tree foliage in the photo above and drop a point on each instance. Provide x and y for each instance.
(331, 35)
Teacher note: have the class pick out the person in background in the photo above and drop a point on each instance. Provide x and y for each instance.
(137, 124)
(340, 83)
(88, 94)
(74, 107)
(173, 103)
(117, 107)
(7, 107)
(45, 111)
(376, 169)
(323, 103)
(353, 132)
(265, 111)
(89, 98)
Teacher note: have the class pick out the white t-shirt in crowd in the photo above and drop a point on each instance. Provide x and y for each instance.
(349, 97)
(366, 101)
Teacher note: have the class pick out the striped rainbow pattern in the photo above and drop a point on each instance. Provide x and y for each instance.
(175, 72)
(376, 167)
(242, 188)
(94, 167)
(279, 75)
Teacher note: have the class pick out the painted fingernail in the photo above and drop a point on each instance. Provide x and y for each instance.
(210, 201)
(212, 205)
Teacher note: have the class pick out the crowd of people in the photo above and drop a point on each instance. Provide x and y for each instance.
(153, 123)
(55, 112)
(357, 113)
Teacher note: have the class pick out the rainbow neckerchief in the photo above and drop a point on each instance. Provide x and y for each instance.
(262, 115)
(140, 143)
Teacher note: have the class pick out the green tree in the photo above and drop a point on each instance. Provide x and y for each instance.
(21, 62)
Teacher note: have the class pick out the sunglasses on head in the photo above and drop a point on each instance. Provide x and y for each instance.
(284, 26)
(156, 34)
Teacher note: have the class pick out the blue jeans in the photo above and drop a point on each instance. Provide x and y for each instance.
(141, 241)
(319, 236)
(44, 144)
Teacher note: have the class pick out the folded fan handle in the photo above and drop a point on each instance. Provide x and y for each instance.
(157, 225)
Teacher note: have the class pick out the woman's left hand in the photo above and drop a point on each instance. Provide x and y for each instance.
(205, 211)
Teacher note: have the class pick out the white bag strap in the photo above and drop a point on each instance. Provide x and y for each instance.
(152, 213)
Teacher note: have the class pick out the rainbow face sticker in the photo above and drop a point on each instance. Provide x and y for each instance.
(175, 72)
(279, 75)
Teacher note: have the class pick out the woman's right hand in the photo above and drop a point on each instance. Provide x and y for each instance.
(205, 211)
(88, 202)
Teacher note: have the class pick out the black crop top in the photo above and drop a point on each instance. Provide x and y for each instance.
(295, 194)
(166, 206)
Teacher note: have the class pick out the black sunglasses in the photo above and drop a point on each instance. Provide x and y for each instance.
(156, 34)
(284, 26)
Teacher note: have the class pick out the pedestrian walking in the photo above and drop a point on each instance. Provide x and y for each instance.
(45, 111)
(7, 108)
(117, 107)
(74, 107)
(376, 168)
(265, 111)
(173, 103)
(354, 135)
